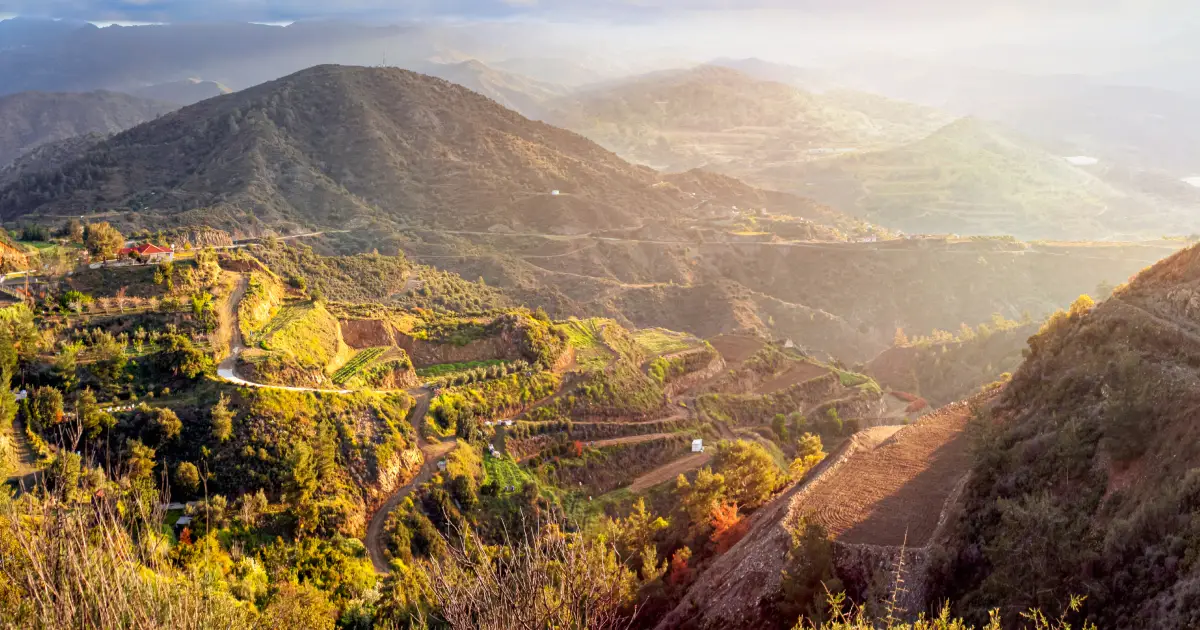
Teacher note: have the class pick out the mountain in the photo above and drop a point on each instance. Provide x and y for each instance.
(184, 92)
(31, 119)
(975, 177)
(342, 147)
(1085, 482)
(49, 157)
(811, 79)
(1120, 121)
(514, 91)
(722, 119)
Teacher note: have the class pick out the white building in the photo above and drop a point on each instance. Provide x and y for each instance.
(698, 446)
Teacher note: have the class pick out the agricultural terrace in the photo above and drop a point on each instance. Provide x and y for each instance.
(355, 366)
(586, 336)
(463, 410)
(660, 341)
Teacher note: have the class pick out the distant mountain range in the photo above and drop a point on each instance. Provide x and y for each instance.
(974, 177)
(338, 146)
(717, 117)
(186, 92)
(32, 119)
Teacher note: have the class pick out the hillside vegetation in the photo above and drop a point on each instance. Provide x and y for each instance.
(1085, 480)
(32, 119)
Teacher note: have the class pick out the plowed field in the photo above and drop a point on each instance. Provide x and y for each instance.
(898, 488)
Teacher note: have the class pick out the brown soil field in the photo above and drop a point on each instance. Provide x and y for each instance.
(670, 471)
(736, 348)
(632, 439)
(894, 493)
(797, 372)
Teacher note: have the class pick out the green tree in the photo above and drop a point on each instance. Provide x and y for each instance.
(698, 498)
(109, 363)
(139, 460)
(751, 474)
(222, 419)
(45, 408)
(187, 478)
(66, 362)
(167, 424)
(102, 240)
(64, 474)
(300, 606)
(93, 419)
(300, 486)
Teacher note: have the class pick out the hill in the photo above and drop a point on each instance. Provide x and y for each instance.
(353, 147)
(1085, 481)
(718, 117)
(975, 177)
(521, 94)
(184, 92)
(31, 119)
(846, 299)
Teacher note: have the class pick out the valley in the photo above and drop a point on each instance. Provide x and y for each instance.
(492, 323)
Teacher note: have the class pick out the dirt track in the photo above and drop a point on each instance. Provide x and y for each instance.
(898, 488)
(432, 453)
(670, 471)
(797, 372)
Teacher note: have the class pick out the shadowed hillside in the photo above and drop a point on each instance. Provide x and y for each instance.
(31, 119)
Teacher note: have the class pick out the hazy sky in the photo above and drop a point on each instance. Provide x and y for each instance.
(281, 10)
(1029, 35)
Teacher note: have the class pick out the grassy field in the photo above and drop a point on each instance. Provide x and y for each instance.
(584, 335)
(357, 363)
(505, 472)
(306, 331)
(660, 341)
(442, 369)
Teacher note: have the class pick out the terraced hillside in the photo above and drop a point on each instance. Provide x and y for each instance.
(882, 486)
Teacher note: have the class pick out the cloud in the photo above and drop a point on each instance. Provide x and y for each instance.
(285, 10)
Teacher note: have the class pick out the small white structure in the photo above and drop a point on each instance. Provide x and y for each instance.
(789, 344)
(21, 395)
(508, 423)
(555, 193)
(442, 465)
(698, 446)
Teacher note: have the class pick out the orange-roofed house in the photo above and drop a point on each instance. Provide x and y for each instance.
(148, 253)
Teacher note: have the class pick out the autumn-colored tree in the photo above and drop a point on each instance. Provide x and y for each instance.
(809, 453)
(698, 498)
(900, 340)
(1082, 305)
(728, 526)
(751, 474)
(577, 448)
(680, 573)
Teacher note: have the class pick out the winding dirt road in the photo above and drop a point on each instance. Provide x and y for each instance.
(423, 396)
(432, 452)
(227, 370)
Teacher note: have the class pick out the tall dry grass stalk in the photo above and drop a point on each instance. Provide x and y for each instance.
(99, 565)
